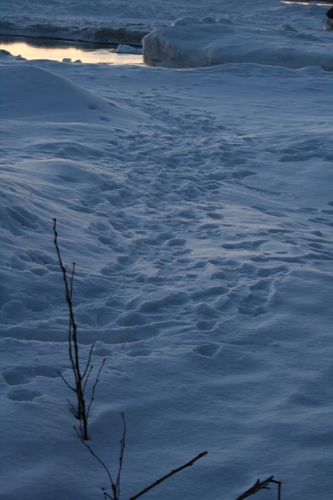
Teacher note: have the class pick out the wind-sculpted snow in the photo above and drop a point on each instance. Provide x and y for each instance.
(30, 92)
(201, 227)
(198, 207)
(190, 43)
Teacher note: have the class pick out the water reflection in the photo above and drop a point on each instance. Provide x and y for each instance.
(308, 2)
(33, 49)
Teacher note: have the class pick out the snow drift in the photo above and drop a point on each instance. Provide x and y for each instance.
(32, 92)
(190, 43)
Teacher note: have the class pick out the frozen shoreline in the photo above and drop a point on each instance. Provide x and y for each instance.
(45, 49)
(125, 22)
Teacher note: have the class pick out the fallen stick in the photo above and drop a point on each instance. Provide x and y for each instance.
(191, 462)
(261, 485)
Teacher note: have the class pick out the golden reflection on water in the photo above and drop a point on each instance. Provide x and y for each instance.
(317, 2)
(70, 54)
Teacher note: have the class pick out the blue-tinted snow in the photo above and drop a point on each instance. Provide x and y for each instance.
(198, 207)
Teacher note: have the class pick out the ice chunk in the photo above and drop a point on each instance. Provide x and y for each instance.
(192, 43)
(128, 49)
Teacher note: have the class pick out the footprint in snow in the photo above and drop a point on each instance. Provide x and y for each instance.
(256, 302)
(207, 350)
(23, 394)
(24, 374)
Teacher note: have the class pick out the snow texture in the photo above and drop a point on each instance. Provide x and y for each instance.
(198, 207)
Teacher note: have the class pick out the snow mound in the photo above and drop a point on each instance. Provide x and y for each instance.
(31, 92)
(221, 41)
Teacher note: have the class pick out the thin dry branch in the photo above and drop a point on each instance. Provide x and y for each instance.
(121, 457)
(94, 387)
(72, 281)
(87, 378)
(68, 385)
(115, 486)
(94, 454)
(261, 485)
(82, 412)
(188, 464)
(89, 360)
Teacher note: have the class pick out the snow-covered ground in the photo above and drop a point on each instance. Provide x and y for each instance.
(198, 206)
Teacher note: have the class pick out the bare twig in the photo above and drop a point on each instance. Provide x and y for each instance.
(261, 485)
(94, 387)
(72, 280)
(188, 464)
(87, 378)
(94, 454)
(63, 378)
(74, 410)
(89, 360)
(82, 413)
(115, 486)
(121, 457)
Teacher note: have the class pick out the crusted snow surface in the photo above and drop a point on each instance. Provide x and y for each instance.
(198, 207)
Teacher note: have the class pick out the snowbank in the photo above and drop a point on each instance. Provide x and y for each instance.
(190, 43)
(32, 92)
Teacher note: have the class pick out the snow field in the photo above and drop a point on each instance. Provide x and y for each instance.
(197, 205)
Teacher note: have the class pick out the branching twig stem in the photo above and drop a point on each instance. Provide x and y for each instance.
(115, 486)
(261, 485)
(94, 454)
(94, 387)
(68, 385)
(73, 347)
